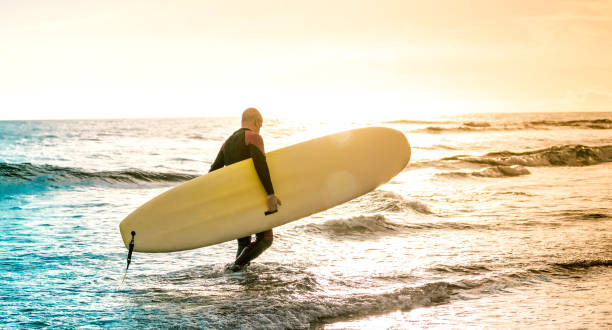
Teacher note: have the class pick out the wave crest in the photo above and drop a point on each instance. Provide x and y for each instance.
(359, 225)
(378, 225)
(387, 201)
(304, 314)
(595, 123)
(26, 175)
(500, 171)
(477, 126)
(567, 155)
(579, 264)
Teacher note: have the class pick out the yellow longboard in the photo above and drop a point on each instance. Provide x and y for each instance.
(229, 203)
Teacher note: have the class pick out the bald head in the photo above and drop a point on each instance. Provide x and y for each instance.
(252, 119)
(251, 114)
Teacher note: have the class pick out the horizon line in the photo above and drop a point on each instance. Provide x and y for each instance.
(281, 118)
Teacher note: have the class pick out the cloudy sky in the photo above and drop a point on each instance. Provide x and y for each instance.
(382, 59)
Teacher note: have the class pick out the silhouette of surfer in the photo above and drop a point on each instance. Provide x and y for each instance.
(243, 144)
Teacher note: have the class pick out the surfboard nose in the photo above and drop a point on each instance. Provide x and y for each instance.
(404, 148)
(400, 151)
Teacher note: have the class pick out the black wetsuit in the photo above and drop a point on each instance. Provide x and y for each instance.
(241, 145)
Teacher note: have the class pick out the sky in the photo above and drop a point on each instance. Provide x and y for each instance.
(380, 59)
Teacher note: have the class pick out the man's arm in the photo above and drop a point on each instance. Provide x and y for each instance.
(261, 166)
(256, 148)
(219, 162)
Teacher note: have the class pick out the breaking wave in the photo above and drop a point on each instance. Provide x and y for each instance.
(581, 264)
(387, 201)
(527, 270)
(475, 126)
(594, 124)
(378, 225)
(296, 299)
(22, 177)
(359, 225)
(293, 298)
(567, 155)
(499, 171)
(588, 214)
(440, 129)
(273, 311)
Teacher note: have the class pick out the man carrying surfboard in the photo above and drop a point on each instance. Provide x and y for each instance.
(243, 144)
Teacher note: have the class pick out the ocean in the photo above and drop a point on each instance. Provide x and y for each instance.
(498, 221)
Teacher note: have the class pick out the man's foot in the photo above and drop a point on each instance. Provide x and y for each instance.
(235, 268)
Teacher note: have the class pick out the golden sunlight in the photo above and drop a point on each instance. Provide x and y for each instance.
(384, 60)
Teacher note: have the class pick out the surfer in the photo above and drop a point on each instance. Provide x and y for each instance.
(243, 144)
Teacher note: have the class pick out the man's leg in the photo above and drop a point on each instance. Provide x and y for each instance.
(243, 243)
(253, 250)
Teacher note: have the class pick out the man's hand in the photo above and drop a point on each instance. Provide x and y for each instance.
(273, 203)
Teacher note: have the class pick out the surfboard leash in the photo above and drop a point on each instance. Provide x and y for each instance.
(129, 258)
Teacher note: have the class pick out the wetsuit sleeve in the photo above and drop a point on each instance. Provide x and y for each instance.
(256, 148)
(219, 161)
(261, 166)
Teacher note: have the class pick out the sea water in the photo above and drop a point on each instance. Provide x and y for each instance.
(499, 220)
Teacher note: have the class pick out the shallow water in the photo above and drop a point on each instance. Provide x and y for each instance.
(498, 221)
